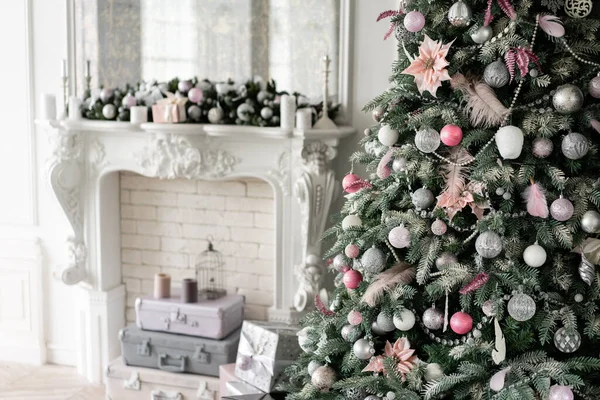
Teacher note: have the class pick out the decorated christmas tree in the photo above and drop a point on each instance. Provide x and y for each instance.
(466, 260)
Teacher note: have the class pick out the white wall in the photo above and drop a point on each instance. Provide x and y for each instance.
(33, 229)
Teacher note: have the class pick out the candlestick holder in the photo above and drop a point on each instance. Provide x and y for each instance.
(65, 84)
(325, 122)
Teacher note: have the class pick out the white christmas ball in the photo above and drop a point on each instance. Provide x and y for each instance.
(351, 221)
(521, 307)
(387, 136)
(590, 222)
(404, 320)
(323, 378)
(385, 322)
(509, 140)
(303, 339)
(433, 372)
(445, 260)
(373, 260)
(399, 237)
(351, 333)
(460, 14)
(488, 244)
(215, 115)
(422, 198)
(568, 99)
(433, 319)
(399, 164)
(575, 146)
(109, 111)
(534, 255)
(362, 349)
(377, 329)
(438, 227)
(266, 112)
(558, 392)
(482, 34)
(427, 140)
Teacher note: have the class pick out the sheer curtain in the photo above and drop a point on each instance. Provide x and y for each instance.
(216, 39)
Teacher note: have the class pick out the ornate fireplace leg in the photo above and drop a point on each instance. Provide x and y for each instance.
(316, 189)
(66, 171)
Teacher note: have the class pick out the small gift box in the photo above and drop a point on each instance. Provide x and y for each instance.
(226, 374)
(170, 110)
(265, 350)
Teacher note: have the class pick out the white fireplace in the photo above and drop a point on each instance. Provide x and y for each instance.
(89, 156)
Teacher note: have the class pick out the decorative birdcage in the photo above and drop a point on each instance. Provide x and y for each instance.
(209, 273)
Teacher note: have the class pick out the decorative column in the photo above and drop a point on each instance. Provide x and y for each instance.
(316, 189)
(66, 170)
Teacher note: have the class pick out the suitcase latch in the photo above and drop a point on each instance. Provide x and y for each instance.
(178, 317)
(204, 393)
(200, 355)
(143, 349)
(133, 383)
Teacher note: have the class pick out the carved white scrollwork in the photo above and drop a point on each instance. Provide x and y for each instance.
(65, 168)
(316, 189)
(282, 172)
(173, 156)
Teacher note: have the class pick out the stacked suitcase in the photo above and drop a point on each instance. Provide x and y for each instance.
(175, 349)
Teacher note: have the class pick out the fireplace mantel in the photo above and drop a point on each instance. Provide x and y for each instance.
(83, 171)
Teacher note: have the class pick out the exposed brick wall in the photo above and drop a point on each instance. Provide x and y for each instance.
(164, 225)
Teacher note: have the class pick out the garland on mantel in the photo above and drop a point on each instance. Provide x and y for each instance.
(254, 103)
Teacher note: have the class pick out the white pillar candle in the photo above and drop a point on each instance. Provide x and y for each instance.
(288, 111)
(138, 114)
(74, 108)
(47, 106)
(63, 68)
(304, 119)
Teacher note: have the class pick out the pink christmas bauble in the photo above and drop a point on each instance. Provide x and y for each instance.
(438, 227)
(349, 183)
(451, 135)
(562, 209)
(354, 318)
(461, 323)
(195, 95)
(352, 279)
(542, 147)
(184, 86)
(129, 101)
(399, 237)
(352, 250)
(595, 87)
(414, 21)
(559, 392)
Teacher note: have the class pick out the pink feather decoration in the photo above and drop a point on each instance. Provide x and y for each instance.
(383, 171)
(401, 273)
(488, 14)
(321, 307)
(508, 9)
(552, 25)
(535, 198)
(596, 125)
(510, 59)
(475, 284)
(483, 107)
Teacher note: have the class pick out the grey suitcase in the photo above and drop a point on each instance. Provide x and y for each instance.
(177, 353)
(213, 319)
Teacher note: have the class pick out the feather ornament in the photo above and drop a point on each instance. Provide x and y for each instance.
(383, 170)
(483, 107)
(552, 25)
(401, 273)
(475, 284)
(454, 197)
(321, 307)
(596, 125)
(499, 352)
(535, 198)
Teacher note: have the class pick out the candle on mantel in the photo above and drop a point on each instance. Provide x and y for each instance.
(74, 108)
(64, 68)
(88, 69)
(138, 114)
(48, 106)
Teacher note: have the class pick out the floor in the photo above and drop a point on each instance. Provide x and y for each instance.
(49, 382)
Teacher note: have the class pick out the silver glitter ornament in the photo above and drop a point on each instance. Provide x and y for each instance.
(460, 14)
(433, 319)
(578, 298)
(362, 349)
(372, 397)
(373, 260)
(575, 146)
(521, 307)
(351, 333)
(312, 367)
(377, 330)
(377, 114)
(339, 262)
(433, 372)
(439, 227)
(489, 308)
(422, 198)
(488, 244)
(500, 191)
(587, 270)
(590, 222)
(561, 209)
(245, 112)
(567, 99)
(266, 112)
(496, 74)
(578, 8)
(399, 164)
(385, 322)
(542, 147)
(355, 393)
(482, 34)
(323, 378)
(507, 196)
(109, 111)
(427, 140)
(445, 260)
(215, 115)
(594, 87)
(194, 112)
(567, 341)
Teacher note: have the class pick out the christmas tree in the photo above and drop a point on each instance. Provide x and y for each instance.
(465, 262)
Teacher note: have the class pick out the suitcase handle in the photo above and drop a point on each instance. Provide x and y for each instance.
(171, 368)
(160, 395)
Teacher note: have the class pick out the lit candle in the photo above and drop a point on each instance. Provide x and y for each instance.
(88, 71)
(64, 68)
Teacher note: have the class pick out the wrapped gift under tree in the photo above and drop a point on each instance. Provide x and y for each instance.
(169, 110)
(265, 350)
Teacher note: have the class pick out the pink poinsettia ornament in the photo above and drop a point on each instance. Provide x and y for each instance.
(430, 67)
(401, 352)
